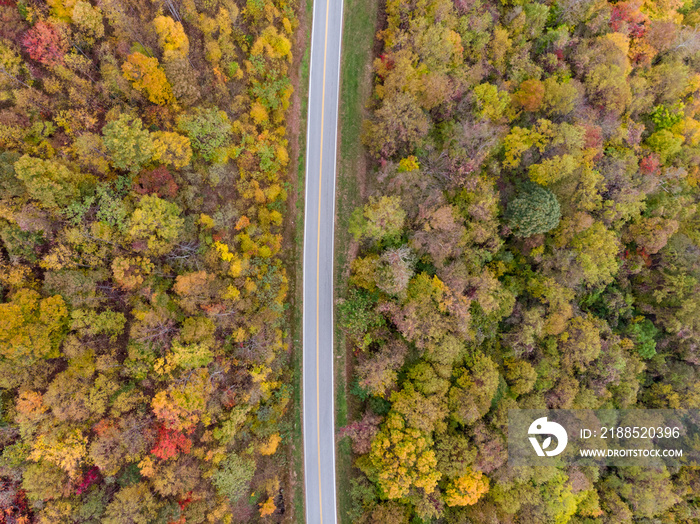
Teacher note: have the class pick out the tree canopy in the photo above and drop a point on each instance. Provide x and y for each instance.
(528, 240)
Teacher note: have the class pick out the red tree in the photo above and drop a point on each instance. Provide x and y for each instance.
(92, 476)
(44, 44)
(594, 137)
(361, 432)
(186, 501)
(626, 17)
(649, 165)
(16, 508)
(169, 443)
(156, 181)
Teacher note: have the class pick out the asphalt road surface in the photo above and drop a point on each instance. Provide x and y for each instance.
(319, 420)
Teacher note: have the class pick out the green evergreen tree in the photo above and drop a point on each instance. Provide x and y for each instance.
(535, 210)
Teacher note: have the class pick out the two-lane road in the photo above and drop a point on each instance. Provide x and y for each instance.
(318, 408)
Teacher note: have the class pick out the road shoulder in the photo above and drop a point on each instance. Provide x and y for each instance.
(294, 246)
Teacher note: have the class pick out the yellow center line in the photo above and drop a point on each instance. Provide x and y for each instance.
(318, 264)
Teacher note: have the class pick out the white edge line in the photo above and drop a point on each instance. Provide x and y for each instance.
(335, 173)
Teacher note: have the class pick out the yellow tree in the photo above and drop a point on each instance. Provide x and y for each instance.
(268, 507)
(467, 489)
(146, 75)
(401, 458)
(32, 327)
(156, 223)
(88, 20)
(172, 149)
(596, 252)
(171, 37)
(471, 396)
(64, 447)
(130, 272)
(552, 169)
(273, 44)
(182, 406)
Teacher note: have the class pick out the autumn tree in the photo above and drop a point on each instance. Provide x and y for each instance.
(561, 98)
(378, 373)
(156, 223)
(177, 478)
(580, 342)
(197, 290)
(596, 252)
(183, 79)
(470, 397)
(607, 87)
(357, 315)
(529, 95)
(170, 444)
(181, 406)
(157, 181)
(379, 219)
(361, 432)
(467, 489)
(552, 170)
(636, 481)
(44, 481)
(132, 504)
(207, 129)
(421, 411)
(171, 37)
(91, 152)
(521, 376)
(430, 312)
(64, 446)
(32, 327)
(172, 149)
(665, 144)
(395, 270)
(400, 124)
(401, 458)
(130, 272)
(129, 145)
(44, 44)
(146, 75)
(90, 323)
(51, 183)
(233, 475)
(122, 440)
(490, 102)
(88, 19)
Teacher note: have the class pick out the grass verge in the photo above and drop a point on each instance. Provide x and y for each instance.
(360, 21)
(297, 186)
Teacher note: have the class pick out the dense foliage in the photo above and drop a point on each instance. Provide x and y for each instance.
(532, 242)
(142, 342)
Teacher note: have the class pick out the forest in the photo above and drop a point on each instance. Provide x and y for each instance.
(530, 240)
(143, 339)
